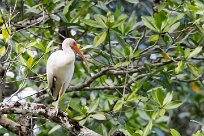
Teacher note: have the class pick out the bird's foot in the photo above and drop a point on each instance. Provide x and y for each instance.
(55, 112)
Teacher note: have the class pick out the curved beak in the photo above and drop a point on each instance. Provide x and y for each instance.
(75, 48)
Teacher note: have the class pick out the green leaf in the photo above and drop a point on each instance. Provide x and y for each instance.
(133, 1)
(99, 20)
(187, 51)
(195, 52)
(93, 106)
(168, 98)
(48, 46)
(174, 132)
(136, 54)
(118, 105)
(22, 60)
(131, 97)
(29, 63)
(173, 104)
(158, 95)
(55, 128)
(66, 8)
(153, 37)
(2, 50)
(80, 117)
(75, 105)
(193, 8)
(174, 27)
(194, 69)
(92, 23)
(158, 113)
(179, 67)
(149, 22)
(198, 133)
(122, 64)
(5, 33)
(120, 21)
(100, 38)
(147, 129)
(98, 116)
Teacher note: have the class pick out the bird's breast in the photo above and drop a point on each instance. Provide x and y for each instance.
(61, 64)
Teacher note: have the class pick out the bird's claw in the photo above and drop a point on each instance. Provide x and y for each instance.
(55, 112)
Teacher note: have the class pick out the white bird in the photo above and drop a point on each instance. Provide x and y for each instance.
(60, 68)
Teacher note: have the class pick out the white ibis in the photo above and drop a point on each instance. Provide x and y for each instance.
(60, 68)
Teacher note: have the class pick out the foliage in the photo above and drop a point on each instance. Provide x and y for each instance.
(153, 53)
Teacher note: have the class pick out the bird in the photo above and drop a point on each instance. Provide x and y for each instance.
(60, 69)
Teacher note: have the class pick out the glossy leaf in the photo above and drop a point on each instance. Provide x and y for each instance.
(100, 38)
(93, 106)
(158, 95)
(196, 51)
(98, 116)
(92, 23)
(147, 129)
(154, 37)
(173, 104)
(174, 132)
(2, 50)
(118, 105)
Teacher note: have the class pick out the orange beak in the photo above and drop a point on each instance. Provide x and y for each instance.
(75, 48)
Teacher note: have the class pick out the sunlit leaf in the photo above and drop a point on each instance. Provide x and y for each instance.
(147, 129)
(195, 87)
(122, 64)
(29, 63)
(22, 60)
(100, 38)
(195, 52)
(153, 37)
(173, 104)
(118, 105)
(66, 7)
(194, 69)
(6, 35)
(2, 50)
(99, 20)
(179, 67)
(55, 128)
(98, 116)
(120, 21)
(165, 55)
(174, 27)
(92, 23)
(168, 98)
(174, 132)
(158, 95)
(149, 22)
(133, 1)
(198, 133)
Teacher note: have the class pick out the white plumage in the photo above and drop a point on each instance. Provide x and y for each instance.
(60, 68)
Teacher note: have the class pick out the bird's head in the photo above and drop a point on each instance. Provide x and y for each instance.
(73, 44)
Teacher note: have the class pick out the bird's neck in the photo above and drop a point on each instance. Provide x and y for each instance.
(67, 49)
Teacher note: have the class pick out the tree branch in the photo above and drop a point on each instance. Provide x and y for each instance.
(37, 110)
(112, 71)
(13, 126)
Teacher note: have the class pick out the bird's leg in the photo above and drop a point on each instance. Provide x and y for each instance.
(58, 99)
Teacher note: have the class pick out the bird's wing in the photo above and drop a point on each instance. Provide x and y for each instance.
(50, 80)
(52, 85)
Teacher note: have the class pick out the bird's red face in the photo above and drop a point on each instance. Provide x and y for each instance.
(77, 50)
